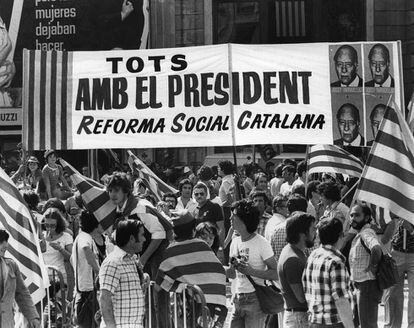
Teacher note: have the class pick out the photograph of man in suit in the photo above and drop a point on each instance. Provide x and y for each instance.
(348, 126)
(375, 118)
(346, 66)
(379, 64)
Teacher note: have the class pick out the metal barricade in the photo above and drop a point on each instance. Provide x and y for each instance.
(186, 308)
(57, 312)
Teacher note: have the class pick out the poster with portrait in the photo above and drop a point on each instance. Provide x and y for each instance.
(376, 105)
(370, 70)
(348, 117)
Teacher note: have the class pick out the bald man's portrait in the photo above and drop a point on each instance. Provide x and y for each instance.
(379, 65)
(375, 118)
(346, 67)
(348, 125)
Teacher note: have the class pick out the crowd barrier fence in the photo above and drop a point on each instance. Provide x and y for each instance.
(187, 308)
(57, 310)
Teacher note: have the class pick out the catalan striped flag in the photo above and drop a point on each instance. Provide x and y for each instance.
(330, 158)
(388, 176)
(193, 262)
(24, 245)
(153, 183)
(47, 80)
(94, 195)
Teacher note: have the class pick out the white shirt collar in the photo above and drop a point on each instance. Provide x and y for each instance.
(386, 84)
(355, 142)
(354, 83)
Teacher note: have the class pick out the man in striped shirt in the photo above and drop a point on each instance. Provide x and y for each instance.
(326, 280)
(190, 260)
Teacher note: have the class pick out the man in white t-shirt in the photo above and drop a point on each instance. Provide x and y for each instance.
(84, 260)
(288, 175)
(277, 181)
(251, 254)
(301, 170)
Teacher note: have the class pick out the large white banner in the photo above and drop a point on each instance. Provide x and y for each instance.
(209, 96)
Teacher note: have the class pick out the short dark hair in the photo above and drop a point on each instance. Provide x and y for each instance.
(248, 214)
(302, 167)
(312, 187)
(299, 189)
(354, 111)
(201, 185)
(289, 161)
(205, 173)
(278, 200)
(169, 194)
(184, 182)
(226, 166)
(297, 202)
(184, 231)
(249, 169)
(32, 199)
(259, 193)
(54, 203)
(289, 168)
(297, 224)
(351, 49)
(384, 50)
(330, 190)
(329, 231)
(4, 236)
(53, 213)
(125, 229)
(119, 180)
(278, 170)
(366, 210)
(88, 222)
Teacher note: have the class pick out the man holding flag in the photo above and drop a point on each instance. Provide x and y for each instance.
(388, 181)
(156, 226)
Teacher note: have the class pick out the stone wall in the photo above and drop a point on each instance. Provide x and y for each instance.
(394, 20)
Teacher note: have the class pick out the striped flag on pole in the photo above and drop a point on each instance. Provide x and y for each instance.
(24, 245)
(47, 79)
(330, 158)
(388, 176)
(153, 183)
(94, 195)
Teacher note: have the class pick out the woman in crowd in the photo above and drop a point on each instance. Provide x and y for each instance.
(58, 244)
(53, 174)
(32, 171)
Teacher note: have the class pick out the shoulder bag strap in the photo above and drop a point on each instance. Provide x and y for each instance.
(76, 267)
(251, 280)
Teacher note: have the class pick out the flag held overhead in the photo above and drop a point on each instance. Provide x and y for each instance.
(388, 176)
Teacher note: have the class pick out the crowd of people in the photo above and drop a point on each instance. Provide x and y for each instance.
(300, 231)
